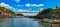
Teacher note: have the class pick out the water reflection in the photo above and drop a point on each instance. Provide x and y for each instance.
(45, 24)
(3, 22)
(22, 22)
(19, 22)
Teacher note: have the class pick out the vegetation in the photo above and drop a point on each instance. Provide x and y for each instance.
(8, 11)
(57, 11)
(46, 11)
(19, 14)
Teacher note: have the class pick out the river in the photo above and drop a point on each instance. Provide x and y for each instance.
(19, 22)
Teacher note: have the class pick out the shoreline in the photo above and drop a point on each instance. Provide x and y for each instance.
(13, 17)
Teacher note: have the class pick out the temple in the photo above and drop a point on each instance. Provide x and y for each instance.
(57, 8)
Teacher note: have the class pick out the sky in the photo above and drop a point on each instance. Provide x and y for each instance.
(29, 5)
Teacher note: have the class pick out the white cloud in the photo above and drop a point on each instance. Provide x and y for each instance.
(7, 6)
(33, 5)
(27, 5)
(20, 10)
(39, 5)
(40, 9)
(20, 5)
(17, 1)
(14, 9)
(27, 14)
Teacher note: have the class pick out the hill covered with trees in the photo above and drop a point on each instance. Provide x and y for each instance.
(48, 13)
(8, 11)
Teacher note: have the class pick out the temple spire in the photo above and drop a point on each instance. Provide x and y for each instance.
(57, 8)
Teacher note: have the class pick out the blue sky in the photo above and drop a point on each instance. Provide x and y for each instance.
(33, 5)
(29, 5)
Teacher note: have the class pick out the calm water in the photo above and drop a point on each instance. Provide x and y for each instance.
(19, 22)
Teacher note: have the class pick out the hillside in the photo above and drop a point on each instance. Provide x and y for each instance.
(8, 11)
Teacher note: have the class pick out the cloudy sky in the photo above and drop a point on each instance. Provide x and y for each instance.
(28, 5)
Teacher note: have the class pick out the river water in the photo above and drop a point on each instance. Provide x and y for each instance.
(20, 22)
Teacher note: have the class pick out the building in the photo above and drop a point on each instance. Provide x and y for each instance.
(56, 15)
(57, 8)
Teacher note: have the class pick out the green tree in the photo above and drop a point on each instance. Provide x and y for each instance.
(47, 11)
(57, 11)
(19, 14)
(8, 11)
